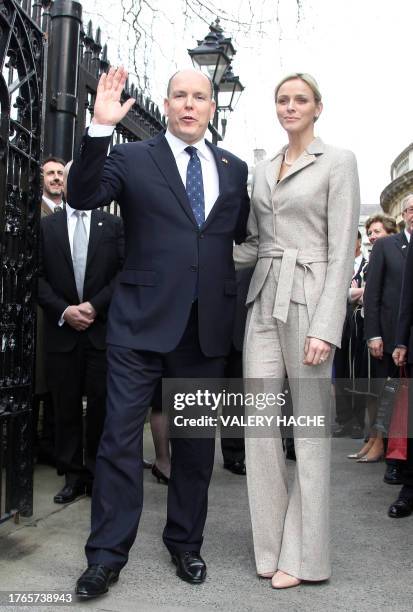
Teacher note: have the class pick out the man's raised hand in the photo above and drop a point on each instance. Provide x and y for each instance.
(108, 109)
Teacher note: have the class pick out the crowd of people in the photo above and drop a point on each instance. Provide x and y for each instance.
(127, 301)
(365, 361)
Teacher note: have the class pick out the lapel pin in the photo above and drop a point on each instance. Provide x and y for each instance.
(100, 223)
(224, 160)
(404, 246)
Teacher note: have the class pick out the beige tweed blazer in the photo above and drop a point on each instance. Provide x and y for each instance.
(304, 228)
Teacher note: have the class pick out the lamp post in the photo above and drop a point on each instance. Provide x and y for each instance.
(213, 56)
(230, 90)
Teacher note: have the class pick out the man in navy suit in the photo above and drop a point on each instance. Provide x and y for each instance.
(184, 202)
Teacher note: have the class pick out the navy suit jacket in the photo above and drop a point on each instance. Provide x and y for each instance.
(166, 255)
(404, 334)
(383, 287)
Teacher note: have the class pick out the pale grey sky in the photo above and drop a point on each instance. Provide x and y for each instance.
(358, 50)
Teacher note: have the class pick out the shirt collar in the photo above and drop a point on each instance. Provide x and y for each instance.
(52, 205)
(408, 236)
(70, 211)
(178, 146)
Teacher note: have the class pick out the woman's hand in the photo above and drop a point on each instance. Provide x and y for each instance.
(316, 351)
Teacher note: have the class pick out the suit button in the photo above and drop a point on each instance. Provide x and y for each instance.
(193, 268)
(201, 235)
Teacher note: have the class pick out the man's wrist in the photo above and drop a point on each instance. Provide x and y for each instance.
(99, 130)
(62, 318)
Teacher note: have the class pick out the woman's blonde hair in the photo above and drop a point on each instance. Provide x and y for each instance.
(304, 76)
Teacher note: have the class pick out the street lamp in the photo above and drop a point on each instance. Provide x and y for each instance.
(230, 90)
(213, 56)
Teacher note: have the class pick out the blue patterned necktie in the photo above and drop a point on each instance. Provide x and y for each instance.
(195, 185)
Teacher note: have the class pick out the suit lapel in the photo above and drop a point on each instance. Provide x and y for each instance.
(223, 166)
(402, 242)
(309, 155)
(60, 223)
(303, 161)
(163, 157)
(96, 231)
(272, 170)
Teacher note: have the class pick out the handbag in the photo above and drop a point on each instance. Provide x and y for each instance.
(397, 437)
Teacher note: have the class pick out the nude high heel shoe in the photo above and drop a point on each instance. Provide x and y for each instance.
(363, 451)
(281, 580)
(375, 453)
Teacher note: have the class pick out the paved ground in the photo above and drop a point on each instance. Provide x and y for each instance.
(372, 554)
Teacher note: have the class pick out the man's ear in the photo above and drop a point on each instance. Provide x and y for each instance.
(166, 106)
(213, 108)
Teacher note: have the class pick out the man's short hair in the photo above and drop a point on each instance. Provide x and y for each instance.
(53, 158)
(388, 222)
(168, 89)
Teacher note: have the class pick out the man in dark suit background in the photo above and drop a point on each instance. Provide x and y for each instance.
(184, 202)
(232, 447)
(403, 506)
(52, 201)
(79, 259)
(381, 307)
(350, 407)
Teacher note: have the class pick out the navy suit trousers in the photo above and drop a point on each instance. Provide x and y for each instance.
(118, 488)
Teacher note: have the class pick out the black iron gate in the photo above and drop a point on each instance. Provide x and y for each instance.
(21, 58)
(50, 68)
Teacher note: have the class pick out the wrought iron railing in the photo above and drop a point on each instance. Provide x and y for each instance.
(49, 70)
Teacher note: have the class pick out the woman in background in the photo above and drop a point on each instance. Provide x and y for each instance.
(377, 226)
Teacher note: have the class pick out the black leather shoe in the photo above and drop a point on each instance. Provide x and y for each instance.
(343, 431)
(95, 581)
(400, 508)
(69, 493)
(190, 566)
(147, 465)
(238, 467)
(392, 475)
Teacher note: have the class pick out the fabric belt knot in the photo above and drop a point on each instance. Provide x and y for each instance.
(289, 259)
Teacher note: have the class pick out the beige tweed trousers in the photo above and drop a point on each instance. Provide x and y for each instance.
(290, 526)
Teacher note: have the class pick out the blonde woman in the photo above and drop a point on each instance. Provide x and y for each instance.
(302, 228)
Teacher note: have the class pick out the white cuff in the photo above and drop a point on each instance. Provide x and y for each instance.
(62, 319)
(98, 131)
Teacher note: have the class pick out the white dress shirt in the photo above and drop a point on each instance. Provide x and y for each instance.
(177, 146)
(71, 223)
(407, 234)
